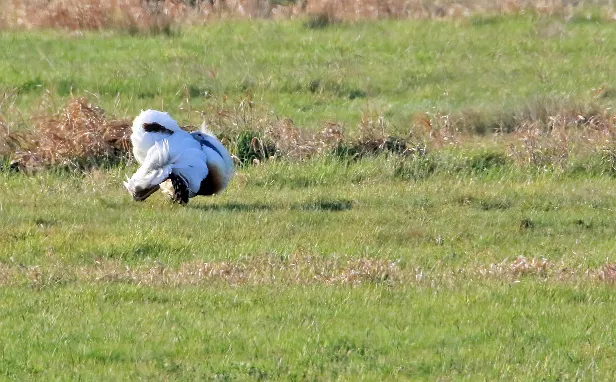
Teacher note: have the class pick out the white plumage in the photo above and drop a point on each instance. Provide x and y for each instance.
(194, 163)
(219, 162)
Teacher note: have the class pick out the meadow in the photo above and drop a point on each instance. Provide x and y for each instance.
(480, 248)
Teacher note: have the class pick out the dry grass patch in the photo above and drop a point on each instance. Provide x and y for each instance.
(162, 16)
(254, 135)
(542, 133)
(421, 9)
(132, 15)
(554, 142)
(81, 136)
(523, 267)
(607, 273)
(262, 270)
(299, 143)
(78, 136)
(297, 269)
(300, 269)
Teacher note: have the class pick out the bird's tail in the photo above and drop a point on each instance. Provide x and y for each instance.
(206, 130)
(227, 167)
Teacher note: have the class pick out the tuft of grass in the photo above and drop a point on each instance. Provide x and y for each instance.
(328, 205)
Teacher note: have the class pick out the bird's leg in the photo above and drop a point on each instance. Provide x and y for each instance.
(180, 189)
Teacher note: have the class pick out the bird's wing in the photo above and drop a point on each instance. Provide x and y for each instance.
(156, 167)
(191, 164)
(218, 156)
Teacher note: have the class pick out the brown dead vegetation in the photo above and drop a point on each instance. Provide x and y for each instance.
(81, 136)
(607, 273)
(77, 136)
(297, 269)
(162, 15)
(300, 269)
(544, 133)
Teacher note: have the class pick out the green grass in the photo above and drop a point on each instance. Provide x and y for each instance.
(381, 268)
(454, 323)
(323, 207)
(481, 331)
(314, 75)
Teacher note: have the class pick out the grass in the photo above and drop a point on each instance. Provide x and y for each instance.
(471, 255)
(395, 69)
(104, 284)
(324, 207)
(132, 332)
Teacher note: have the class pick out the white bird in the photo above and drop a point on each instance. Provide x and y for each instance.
(194, 163)
(219, 162)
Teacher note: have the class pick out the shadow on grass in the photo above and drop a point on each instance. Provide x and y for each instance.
(334, 205)
(325, 205)
(236, 207)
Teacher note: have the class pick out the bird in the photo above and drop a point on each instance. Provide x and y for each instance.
(220, 164)
(181, 164)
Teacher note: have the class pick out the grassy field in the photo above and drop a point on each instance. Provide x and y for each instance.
(474, 261)
(338, 73)
(318, 270)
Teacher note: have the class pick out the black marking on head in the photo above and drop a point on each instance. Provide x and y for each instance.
(156, 128)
